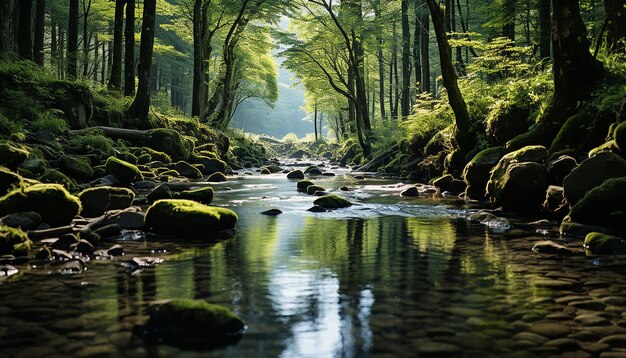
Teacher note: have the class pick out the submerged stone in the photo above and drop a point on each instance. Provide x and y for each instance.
(272, 212)
(190, 323)
(332, 202)
(304, 184)
(295, 174)
(179, 216)
(53, 202)
(410, 192)
(312, 189)
(603, 244)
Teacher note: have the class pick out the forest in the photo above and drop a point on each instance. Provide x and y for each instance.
(143, 139)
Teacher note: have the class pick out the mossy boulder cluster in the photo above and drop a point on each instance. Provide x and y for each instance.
(187, 217)
(53, 202)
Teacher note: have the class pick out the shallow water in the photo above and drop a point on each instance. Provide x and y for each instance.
(387, 277)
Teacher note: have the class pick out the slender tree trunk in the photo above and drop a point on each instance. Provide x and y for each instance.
(72, 41)
(425, 50)
(315, 123)
(198, 95)
(141, 105)
(391, 84)
(544, 28)
(105, 61)
(115, 82)
(40, 20)
(417, 64)
(464, 138)
(62, 58)
(86, 38)
(25, 30)
(447, 16)
(508, 28)
(96, 58)
(4, 16)
(129, 49)
(53, 44)
(615, 25)
(381, 66)
(406, 61)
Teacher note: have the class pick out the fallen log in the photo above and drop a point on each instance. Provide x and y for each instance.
(373, 164)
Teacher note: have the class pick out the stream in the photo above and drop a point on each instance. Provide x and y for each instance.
(390, 276)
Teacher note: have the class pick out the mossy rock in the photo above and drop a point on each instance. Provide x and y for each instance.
(144, 158)
(11, 156)
(560, 167)
(265, 171)
(211, 165)
(591, 173)
(52, 201)
(160, 192)
(506, 121)
(77, 168)
(522, 188)
(168, 141)
(332, 202)
(53, 176)
(128, 157)
(217, 178)
(9, 180)
(187, 170)
(477, 172)
(312, 189)
(619, 135)
(304, 184)
(202, 195)
(178, 216)
(96, 201)
(604, 205)
(295, 174)
(13, 241)
(158, 156)
(37, 166)
(125, 172)
(603, 244)
(191, 323)
(610, 146)
(534, 153)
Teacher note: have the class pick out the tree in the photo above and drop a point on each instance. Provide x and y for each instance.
(129, 49)
(40, 20)
(544, 28)
(24, 32)
(406, 60)
(115, 81)
(425, 51)
(508, 12)
(141, 104)
(72, 41)
(615, 25)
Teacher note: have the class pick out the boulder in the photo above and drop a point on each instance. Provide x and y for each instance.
(603, 244)
(272, 212)
(181, 217)
(9, 180)
(591, 173)
(77, 168)
(217, 178)
(37, 166)
(316, 209)
(125, 172)
(442, 182)
(522, 188)
(11, 156)
(304, 184)
(29, 220)
(96, 201)
(555, 206)
(313, 171)
(160, 192)
(13, 242)
(202, 195)
(332, 202)
(579, 231)
(265, 171)
(53, 176)
(52, 201)
(559, 168)
(410, 192)
(619, 135)
(549, 247)
(187, 170)
(295, 174)
(168, 141)
(158, 156)
(312, 189)
(211, 165)
(604, 205)
(535, 154)
(190, 323)
(476, 173)
(507, 121)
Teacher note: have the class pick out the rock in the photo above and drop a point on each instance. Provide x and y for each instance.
(576, 230)
(158, 157)
(442, 182)
(128, 220)
(303, 185)
(211, 165)
(265, 171)
(216, 178)
(603, 205)
(64, 242)
(96, 201)
(144, 185)
(560, 167)
(550, 330)
(160, 192)
(84, 247)
(312, 189)
(295, 174)
(29, 220)
(522, 188)
(555, 205)
(506, 121)
(410, 192)
(202, 195)
(615, 341)
(168, 141)
(477, 172)
(115, 250)
(9, 180)
(43, 254)
(272, 212)
(108, 231)
(11, 156)
(77, 168)
(125, 172)
(188, 217)
(317, 209)
(603, 244)
(299, 154)
(53, 202)
(313, 171)
(591, 173)
(187, 170)
(53, 176)
(37, 166)
(552, 248)
(438, 349)
(332, 202)
(535, 154)
(619, 135)
(108, 180)
(190, 323)
(13, 242)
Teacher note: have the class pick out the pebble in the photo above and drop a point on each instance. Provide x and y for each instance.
(550, 330)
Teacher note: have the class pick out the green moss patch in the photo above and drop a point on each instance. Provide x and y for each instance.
(124, 171)
(203, 195)
(170, 142)
(603, 244)
(13, 242)
(8, 180)
(52, 201)
(11, 156)
(179, 216)
(53, 176)
(603, 206)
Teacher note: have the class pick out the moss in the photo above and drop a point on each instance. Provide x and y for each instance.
(53, 176)
(13, 242)
(312, 189)
(97, 200)
(610, 146)
(332, 202)
(603, 244)
(8, 180)
(51, 122)
(34, 165)
(94, 141)
(125, 172)
(144, 158)
(304, 184)
(203, 195)
(211, 165)
(170, 142)
(208, 154)
(179, 216)
(78, 168)
(52, 201)
(128, 157)
(534, 153)
(11, 156)
(604, 206)
(217, 178)
(619, 135)
(158, 156)
(187, 170)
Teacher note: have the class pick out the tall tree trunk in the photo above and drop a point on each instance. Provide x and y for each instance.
(406, 60)
(62, 59)
(129, 49)
(417, 64)
(96, 58)
(25, 30)
(460, 66)
(86, 37)
(391, 84)
(105, 61)
(197, 96)
(321, 116)
(381, 66)
(4, 17)
(40, 20)
(463, 136)
(72, 41)
(315, 122)
(115, 82)
(615, 25)
(141, 105)
(425, 50)
(508, 27)
(53, 44)
(544, 28)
